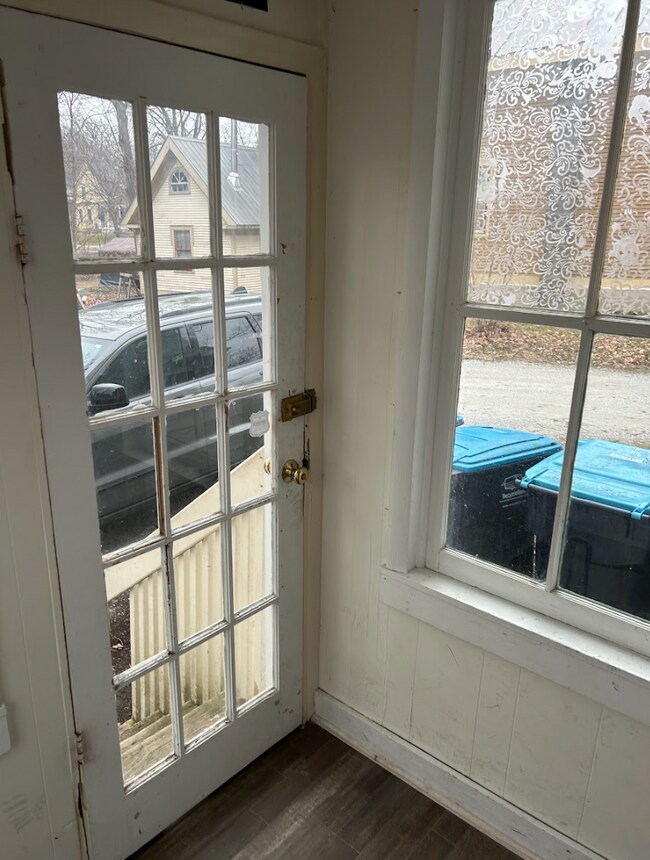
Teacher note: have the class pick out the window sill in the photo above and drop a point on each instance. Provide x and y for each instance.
(601, 671)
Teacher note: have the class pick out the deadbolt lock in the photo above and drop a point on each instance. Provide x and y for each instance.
(293, 471)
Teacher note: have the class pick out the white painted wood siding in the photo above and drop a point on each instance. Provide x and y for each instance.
(579, 767)
(190, 212)
(183, 211)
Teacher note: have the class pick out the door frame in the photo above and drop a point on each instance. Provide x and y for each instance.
(40, 764)
(213, 36)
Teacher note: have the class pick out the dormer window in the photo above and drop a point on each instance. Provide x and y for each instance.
(179, 183)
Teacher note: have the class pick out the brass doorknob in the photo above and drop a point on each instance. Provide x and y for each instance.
(293, 471)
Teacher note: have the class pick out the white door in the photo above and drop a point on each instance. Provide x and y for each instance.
(162, 193)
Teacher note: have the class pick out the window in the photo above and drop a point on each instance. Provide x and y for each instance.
(174, 367)
(242, 343)
(540, 478)
(179, 182)
(204, 334)
(130, 369)
(182, 238)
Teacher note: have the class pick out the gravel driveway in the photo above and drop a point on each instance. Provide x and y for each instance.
(537, 397)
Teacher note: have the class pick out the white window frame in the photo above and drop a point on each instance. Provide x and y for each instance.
(173, 186)
(420, 574)
(180, 229)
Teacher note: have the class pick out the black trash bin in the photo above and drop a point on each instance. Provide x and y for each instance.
(607, 551)
(487, 509)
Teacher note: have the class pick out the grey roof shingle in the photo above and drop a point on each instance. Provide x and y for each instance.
(241, 203)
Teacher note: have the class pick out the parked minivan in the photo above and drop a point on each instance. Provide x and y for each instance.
(115, 356)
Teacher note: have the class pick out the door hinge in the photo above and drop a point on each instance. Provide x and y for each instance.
(79, 743)
(298, 405)
(21, 243)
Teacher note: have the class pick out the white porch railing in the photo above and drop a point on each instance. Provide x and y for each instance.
(199, 599)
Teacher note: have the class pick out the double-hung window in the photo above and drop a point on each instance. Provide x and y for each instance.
(182, 238)
(538, 427)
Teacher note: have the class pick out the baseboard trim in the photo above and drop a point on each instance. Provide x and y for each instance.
(487, 812)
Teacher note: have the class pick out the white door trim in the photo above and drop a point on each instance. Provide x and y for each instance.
(35, 687)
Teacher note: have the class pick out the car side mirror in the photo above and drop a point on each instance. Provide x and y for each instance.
(107, 395)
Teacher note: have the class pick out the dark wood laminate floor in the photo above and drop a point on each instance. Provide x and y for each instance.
(311, 797)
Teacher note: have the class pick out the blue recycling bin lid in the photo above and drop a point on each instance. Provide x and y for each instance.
(479, 448)
(459, 420)
(605, 473)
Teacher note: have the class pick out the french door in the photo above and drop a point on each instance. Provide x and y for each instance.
(162, 194)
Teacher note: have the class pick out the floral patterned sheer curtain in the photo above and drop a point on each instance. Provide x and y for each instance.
(550, 94)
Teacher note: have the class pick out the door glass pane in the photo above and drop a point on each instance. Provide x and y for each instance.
(100, 176)
(194, 283)
(244, 187)
(192, 452)
(203, 686)
(125, 483)
(93, 289)
(252, 556)
(144, 723)
(255, 655)
(625, 286)
(249, 428)
(185, 309)
(114, 344)
(199, 584)
(179, 183)
(506, 430)
(549, 99)
(202, 337)
(136, 610)
(607, 551)
(249, 324)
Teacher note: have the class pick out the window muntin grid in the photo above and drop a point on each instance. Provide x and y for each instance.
(587, 324)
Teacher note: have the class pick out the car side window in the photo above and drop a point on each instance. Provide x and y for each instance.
(174, 365)
(242, 343)
(130, 368)
(203, 332)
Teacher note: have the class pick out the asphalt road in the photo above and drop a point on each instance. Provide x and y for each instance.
(537, 397)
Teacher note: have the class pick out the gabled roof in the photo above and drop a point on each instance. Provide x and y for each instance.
(240, 200)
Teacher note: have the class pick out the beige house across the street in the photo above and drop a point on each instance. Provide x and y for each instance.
(181, 211)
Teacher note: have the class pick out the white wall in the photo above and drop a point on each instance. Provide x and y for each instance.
(577, 766)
